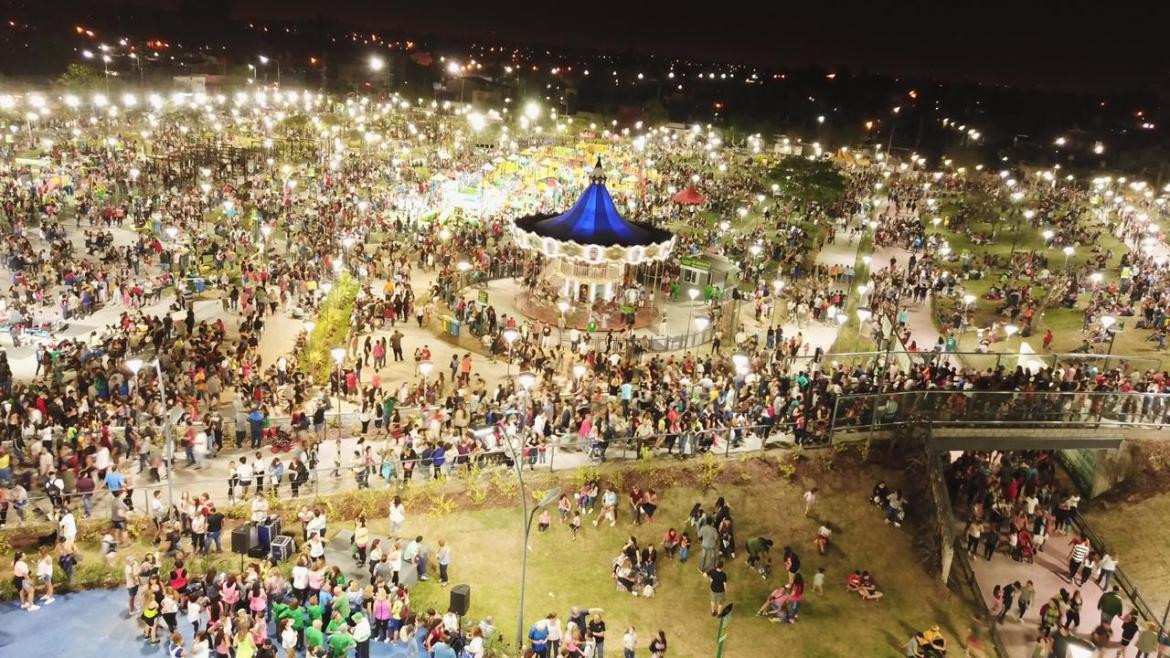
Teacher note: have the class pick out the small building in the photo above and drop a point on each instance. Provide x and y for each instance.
(703, 270)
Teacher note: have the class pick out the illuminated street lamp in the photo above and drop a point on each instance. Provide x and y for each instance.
(338, 354)
(510, 336)
(1108, 321)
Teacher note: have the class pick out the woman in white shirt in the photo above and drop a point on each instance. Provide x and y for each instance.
(397, 514)
(45, 575)
(554, 633)
(300, 579)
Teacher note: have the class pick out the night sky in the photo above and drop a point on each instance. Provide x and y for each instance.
(1069, 44)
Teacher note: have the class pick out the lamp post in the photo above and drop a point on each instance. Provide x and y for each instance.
(552, 496)
(701, 324)
(562, 306)
(968, 299)
(510, 336)
(338, 354)
(693, 293)
(1010, 330)
(376, 66)
(265, 231)
(1068, 251)
(135, 364)
(1108, 321)
(777, 286)
(264, 60)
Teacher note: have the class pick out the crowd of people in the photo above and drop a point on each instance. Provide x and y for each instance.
(185, 268)
(1014, 505)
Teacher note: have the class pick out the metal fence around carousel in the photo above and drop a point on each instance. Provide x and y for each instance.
(945, 408)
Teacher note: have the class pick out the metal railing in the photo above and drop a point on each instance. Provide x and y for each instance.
(1128, 586)
(953, 408)
(329, 475)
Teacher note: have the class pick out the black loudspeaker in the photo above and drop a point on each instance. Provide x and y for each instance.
(244, 539)
(461, 599)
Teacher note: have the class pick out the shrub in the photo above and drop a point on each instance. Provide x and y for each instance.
(331, 330)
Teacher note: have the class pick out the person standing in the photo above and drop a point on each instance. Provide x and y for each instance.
(629, 643)
(443, 557)
(708, 541)
(1108, 568)
(1110, 605)
(1076, 556)
(1024, 598)
(718, 581)
(658, 645)
(1009, 593)
(597, 634)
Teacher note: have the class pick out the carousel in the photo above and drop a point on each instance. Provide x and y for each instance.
(591, 254)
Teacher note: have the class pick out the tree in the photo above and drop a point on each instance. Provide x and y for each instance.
(78, 76)
(803, 180)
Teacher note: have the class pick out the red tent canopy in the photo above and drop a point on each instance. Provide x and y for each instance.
(689, 197)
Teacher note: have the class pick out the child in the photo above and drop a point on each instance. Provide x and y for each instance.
(684, 546)
(575, 523)
(819, 581)
(194, 613)
(545, 519)
(175, 646)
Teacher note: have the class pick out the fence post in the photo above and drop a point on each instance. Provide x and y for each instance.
(552, 456)
(727, 443)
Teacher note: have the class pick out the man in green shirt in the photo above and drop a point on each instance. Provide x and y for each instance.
(314, 637)
(341, 642)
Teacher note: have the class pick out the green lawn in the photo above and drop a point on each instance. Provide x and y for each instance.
(564, 572)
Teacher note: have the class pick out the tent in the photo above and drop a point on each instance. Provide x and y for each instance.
(689, 197)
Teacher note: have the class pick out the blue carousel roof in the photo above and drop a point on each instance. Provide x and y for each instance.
(594, 220)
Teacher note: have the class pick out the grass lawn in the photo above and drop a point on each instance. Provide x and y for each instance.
(1136, 531)
(563, 572)
(486, 546)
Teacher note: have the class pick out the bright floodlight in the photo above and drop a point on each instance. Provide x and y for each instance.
(968, 298)
(1108, 321)
(579, 370)
(701, 323)
(563, 305)
(1068, 251)
(263, 59)
(338, 354)
(864, 314)
(511, 335)
(309, 324)
(453, 67)
(377, 63)
(739, 359)
(134, 365)
(1011, 330)
(693, 293)
(842, 318)
(532, 111)
(425, 368)
(526, 380)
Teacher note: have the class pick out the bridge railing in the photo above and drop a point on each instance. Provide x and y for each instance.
(868, 412)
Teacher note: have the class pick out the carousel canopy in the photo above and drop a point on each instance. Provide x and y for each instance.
(689, 197)
(594, 220)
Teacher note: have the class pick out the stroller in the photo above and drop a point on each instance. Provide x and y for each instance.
(280, 440)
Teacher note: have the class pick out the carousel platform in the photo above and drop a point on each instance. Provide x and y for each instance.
(607, 316)
(509, 297)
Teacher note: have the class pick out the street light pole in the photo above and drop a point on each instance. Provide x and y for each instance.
(338, 354)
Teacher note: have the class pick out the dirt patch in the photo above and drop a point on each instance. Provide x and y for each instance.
(1149, 475)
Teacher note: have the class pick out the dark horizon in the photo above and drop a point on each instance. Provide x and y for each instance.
(1073, 46)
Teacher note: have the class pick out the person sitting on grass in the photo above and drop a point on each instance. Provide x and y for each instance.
(670, 542)
(775, 607)
(853, 582)
(868, 590)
